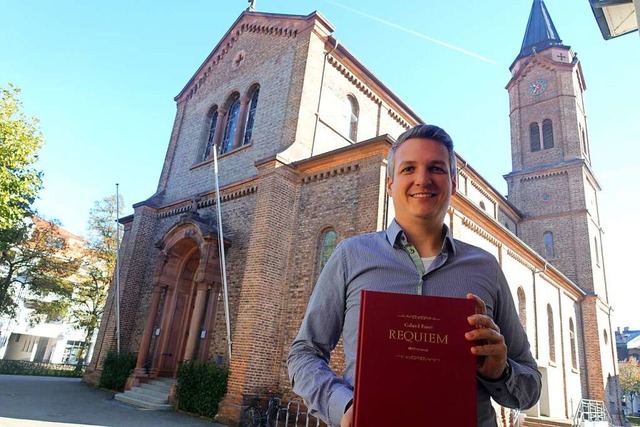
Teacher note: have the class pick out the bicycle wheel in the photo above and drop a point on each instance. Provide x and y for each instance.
(273, 411)
(251, 417)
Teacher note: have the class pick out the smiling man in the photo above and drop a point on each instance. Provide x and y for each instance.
(415, 255)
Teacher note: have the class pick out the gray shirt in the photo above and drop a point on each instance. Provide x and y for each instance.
(386, 261)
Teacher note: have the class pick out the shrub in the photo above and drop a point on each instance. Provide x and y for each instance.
(116, 370)
(201, 386)
(20, 367)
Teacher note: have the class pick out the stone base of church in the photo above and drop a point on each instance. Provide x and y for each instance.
(92, 376)
(230, 410)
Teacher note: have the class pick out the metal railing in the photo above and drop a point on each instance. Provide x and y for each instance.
(279, 414)
(509, 417)
(591, 410)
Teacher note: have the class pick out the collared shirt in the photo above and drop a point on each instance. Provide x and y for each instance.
(383, 261)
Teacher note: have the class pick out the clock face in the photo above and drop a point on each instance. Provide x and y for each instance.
(537, 87)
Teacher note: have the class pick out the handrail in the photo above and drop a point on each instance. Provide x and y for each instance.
(591, 410)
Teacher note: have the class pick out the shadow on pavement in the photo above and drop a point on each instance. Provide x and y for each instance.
(52, 401)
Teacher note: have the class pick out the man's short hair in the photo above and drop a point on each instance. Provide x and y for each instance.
(426, 132)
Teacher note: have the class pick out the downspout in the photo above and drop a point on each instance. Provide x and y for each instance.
(535, 314)
(324, 65)
(562, 354)
(584, 352)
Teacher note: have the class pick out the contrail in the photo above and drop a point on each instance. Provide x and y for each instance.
(415, 33)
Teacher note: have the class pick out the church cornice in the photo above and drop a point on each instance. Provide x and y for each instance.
(544, 175)
(355, 81)
(574, 213)
(521, 260)
(231, 192)
(471, 225)
(529, 64)
(377, 147)
(482, 191)
(372, 87)
(560, 168)
(545, 171)
(270, 30)
(395, 116)
(330, 173)
(267, 24)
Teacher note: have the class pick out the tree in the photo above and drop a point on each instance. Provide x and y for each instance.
(35, 259)
(630, 376)
(20, 140)
(97, 267)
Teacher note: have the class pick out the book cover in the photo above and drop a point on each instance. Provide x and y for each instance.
(414, 366)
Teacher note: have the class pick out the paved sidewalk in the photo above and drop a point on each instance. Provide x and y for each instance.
(56, 402)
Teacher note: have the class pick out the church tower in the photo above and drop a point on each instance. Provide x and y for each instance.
(552, 181)
(553, 184)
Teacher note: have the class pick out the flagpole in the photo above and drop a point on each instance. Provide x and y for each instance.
(223, 263)
(117, 269)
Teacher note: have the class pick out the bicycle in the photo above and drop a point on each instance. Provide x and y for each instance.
(253, 416)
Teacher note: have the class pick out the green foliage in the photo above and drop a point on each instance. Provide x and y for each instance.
(34, 257)
(201, 386)
(116, 370)
(89, 296)
(19, 367)
(20, 140)
(630, 376)
(635, 421)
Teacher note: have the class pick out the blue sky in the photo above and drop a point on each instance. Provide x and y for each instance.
(101, 77)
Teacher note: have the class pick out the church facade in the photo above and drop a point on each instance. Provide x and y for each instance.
(301, 130)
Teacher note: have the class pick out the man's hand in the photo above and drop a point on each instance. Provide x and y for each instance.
(491, 348)
(347, 418)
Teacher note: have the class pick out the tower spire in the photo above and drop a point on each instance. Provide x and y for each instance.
(540, 34)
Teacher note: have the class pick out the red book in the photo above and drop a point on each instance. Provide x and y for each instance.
(414, 366)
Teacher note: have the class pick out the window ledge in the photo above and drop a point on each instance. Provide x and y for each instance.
(210, 159)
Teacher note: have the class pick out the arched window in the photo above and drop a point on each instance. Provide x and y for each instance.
(597, 249)
(231, 125)
(212, 130)
(547, 134)
(606, 337)
(583, 141)
(549, 249)
(253, 105)
(572, 340)
(534, 136)
(552, 338)
(327, 243)
(353, 111)
(522, 308)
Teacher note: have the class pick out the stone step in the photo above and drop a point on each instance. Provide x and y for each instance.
(156, 386)
(142, 394)
(545, 422)
(153, 394)
(122, 397)
(150, 391)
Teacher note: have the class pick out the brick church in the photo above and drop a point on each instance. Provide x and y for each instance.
(301, 130)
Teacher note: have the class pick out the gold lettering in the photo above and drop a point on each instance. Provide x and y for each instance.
(417, 337)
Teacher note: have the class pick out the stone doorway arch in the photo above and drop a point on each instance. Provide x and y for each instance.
(186, 284)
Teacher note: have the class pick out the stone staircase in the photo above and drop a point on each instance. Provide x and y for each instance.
(545, 422)
(153, 394)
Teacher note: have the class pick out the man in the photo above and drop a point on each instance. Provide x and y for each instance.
(416, 254)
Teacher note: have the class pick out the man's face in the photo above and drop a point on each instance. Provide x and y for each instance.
(422, 185)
